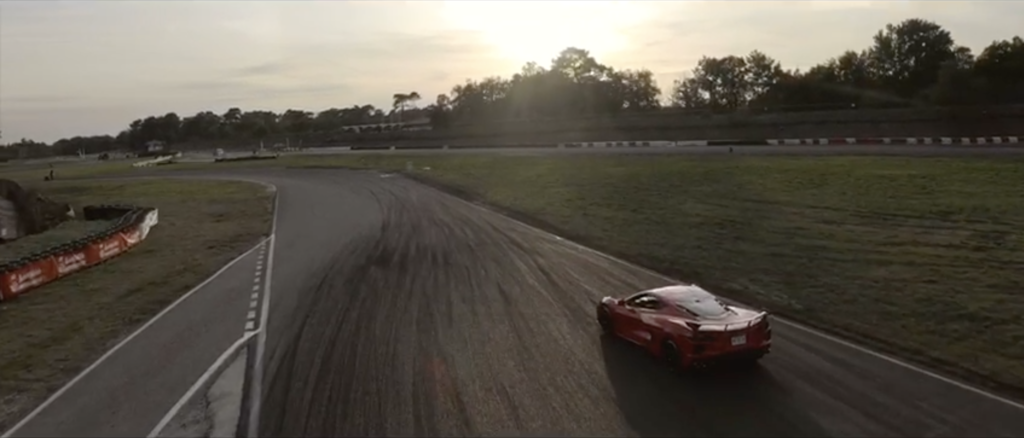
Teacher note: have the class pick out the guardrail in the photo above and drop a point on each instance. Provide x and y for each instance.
(132, 227)
(992, 140)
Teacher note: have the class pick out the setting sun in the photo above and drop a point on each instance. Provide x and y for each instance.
(537, 31)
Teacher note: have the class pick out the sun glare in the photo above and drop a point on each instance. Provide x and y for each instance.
(525, 31)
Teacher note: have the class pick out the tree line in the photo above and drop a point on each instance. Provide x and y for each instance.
(912, 63)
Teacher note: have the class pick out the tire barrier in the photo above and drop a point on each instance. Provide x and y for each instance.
(990, 140)
(132, 225)
(993, 140)
(245, 158)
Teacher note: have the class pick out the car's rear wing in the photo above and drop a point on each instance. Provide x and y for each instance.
(732, 325)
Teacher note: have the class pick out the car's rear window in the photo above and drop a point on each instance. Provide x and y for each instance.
(700, 303)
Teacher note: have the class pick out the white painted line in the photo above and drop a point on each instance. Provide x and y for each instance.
(254, 295)
(250, 325)
(123, 342)
(793, 324)
(199, 384)
(903, 364)
(251, 315)
(256, 389)
(253, 303)
(256, 287)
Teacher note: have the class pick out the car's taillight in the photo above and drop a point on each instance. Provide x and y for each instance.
(765, 327)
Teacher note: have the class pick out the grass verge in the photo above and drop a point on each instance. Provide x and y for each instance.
(52, 333)
(916, 256)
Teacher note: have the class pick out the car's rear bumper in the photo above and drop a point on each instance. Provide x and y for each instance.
(738, 355)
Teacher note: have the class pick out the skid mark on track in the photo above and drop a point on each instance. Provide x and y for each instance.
(446, 321)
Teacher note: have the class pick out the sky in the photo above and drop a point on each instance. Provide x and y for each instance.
(84, 68)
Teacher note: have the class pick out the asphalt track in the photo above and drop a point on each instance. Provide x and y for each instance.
(398, 310)
(130, 389)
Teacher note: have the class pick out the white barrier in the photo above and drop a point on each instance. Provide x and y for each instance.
(155, 161)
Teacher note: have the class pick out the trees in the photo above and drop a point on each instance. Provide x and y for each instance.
(730, 83)
(906, 57)
(574, 84)
(912, 63)
(403, 100)
(999, 71)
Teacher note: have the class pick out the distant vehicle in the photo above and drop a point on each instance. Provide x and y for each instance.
(687, 326)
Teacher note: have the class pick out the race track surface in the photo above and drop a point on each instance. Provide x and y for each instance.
(398, 310)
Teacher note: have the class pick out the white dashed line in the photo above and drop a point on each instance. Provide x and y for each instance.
(256, 384)
(257, 284)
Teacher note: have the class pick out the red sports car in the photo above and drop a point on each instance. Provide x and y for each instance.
(686, 325)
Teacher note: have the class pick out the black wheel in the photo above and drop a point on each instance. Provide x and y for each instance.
(670, 353)
(604, 319)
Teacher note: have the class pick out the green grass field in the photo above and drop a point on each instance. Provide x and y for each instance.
(50, 334)
(918, 255)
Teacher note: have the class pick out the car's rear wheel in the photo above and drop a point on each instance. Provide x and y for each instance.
(604, 319)
(670, 353)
